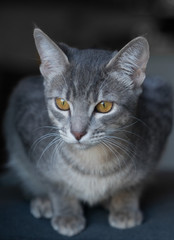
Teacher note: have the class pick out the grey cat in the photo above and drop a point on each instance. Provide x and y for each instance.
(87, 130)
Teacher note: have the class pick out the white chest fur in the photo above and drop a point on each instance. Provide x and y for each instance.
(85, 174)
(93, 189)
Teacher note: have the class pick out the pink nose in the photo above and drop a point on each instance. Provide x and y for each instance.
(78, 135)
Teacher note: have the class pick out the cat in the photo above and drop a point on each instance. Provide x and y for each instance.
(89, 129)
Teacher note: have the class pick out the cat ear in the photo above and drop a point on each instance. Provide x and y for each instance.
(53, 59)
(129, 64)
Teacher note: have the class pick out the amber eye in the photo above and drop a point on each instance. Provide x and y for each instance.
(62, 104)
(104, 107)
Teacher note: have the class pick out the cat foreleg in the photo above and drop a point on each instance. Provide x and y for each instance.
(124, 209)
(68, 216)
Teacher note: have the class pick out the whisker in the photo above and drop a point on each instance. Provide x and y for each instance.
(140, 121)
(129, 132)
(129, 152)
(121, 139)
(100, 145)
(111, 149)
(49, 127)
(56, 148)
(122, 147)
(40, 139)
(48, 146)
(113, 146)
(118, 128)
(124, 126)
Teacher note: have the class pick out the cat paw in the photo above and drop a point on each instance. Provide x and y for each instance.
(68, 225)
(41, 207)
(125, 219)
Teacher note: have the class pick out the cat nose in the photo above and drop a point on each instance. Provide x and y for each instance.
(78, 135)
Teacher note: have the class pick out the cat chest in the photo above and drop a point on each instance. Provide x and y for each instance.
(93, 189)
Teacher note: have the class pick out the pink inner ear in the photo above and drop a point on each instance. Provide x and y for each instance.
(47, 66)
(47, 70)
(139, 77)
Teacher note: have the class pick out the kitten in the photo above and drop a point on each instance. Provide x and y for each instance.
(86, 132)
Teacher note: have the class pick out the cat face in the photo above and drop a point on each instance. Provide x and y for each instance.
(91, 94)
(86, 113)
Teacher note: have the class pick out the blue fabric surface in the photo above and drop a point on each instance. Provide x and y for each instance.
(16, 222)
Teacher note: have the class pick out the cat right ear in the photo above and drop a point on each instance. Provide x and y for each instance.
(53, 60)
(129, 64)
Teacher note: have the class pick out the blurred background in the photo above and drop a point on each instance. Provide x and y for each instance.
(84, 24)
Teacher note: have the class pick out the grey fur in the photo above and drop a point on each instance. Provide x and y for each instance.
(120, 149)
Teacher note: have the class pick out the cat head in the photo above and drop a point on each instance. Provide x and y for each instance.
(91, 94)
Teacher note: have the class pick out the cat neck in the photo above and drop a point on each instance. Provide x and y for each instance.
(97, 160)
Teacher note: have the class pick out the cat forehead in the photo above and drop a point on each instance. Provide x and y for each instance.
(87, 57)
(85, 79)
(86, 83)
(85, 73)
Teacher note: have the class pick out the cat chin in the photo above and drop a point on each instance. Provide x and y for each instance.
(81, 146)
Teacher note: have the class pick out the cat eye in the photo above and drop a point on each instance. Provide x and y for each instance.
(62, 104)
(104, 107)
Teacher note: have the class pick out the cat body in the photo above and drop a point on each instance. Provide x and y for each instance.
(86, 131)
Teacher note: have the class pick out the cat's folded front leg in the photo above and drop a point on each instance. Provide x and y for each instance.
(124, 209)
(68, 216)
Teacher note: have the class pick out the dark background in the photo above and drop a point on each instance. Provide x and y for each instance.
(83, 24)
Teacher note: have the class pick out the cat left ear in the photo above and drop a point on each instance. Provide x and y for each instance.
(129, 64)
(53, 59)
